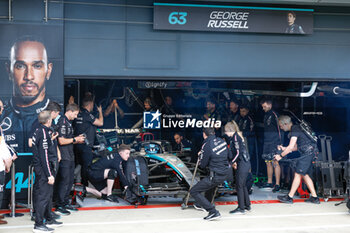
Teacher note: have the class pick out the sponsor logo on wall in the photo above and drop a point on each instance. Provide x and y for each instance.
(157, 120)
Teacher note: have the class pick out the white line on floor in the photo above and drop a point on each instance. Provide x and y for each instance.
(279, 229)
(247, 216)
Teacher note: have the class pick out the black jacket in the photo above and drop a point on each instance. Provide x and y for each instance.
(234, 116)
(238, 149)
(65, 130)
(43, 151)
(246, 125)
(295, 29)
(272, 132)
(214, 115)
(215, 155)
(52, 130)
(184, 144)
(84, 124)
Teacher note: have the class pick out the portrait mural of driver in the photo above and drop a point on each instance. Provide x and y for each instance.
(28, 69)
(292, 27)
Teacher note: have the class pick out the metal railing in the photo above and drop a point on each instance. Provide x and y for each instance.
(30, 189)
(13, 213)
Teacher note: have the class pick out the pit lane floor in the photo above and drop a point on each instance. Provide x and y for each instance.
(276, 217)
(258, 195)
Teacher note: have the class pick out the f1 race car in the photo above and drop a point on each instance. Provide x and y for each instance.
(153, 169)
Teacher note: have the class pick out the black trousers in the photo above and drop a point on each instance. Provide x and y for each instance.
(65, 178)
(42, 195)
(54, 166)
(84, 154)
(207, 183)
(253, 154)
(241, 184)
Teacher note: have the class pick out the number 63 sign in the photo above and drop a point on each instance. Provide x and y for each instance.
(177, 18)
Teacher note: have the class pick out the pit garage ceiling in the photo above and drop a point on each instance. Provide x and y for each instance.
(289, 2)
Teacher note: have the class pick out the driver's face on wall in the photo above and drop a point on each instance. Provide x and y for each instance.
(290, 19)
(29, 70)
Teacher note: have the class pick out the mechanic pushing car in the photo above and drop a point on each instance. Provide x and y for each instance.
(214, 155)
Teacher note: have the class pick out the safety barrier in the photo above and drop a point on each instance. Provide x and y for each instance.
(30, 188)
(13, 213)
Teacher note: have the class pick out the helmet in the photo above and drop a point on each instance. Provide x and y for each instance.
(152, 148)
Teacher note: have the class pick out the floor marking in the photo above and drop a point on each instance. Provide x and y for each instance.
(278, 229)
(201, 219)
(150, 206)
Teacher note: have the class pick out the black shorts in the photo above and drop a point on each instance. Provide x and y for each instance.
(96, 178)
(269, 148)
(304, 165)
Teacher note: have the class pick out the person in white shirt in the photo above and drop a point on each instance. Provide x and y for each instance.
(5, 166)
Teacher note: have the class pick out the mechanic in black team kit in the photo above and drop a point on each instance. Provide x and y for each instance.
(272, 138)
(44, 156)
(241, 163)
(308, 149)
(234, 111)
(214, 155)
(86, 124)
(103, 171)
(65, 177)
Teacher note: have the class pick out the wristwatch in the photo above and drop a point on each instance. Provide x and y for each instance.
(74, 140)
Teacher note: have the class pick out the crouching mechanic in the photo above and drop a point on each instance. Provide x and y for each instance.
(215, 155)
(103, 171)
(307, 148)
